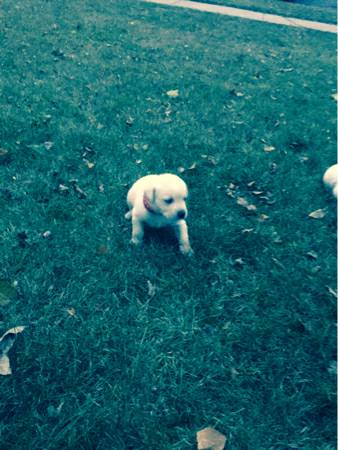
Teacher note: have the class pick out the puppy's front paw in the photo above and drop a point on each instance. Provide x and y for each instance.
(186, 250)
(136, 241)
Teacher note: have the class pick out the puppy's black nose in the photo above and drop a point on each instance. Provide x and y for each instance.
(181, 214)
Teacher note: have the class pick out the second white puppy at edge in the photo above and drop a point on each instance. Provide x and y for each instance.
(159, 201)
(330, 179)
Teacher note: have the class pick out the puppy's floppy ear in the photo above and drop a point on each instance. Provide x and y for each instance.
(151, 195)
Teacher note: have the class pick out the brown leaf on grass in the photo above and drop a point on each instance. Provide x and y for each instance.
(332, 291)
(71, 312)
(130, 121)
(173, 93)
(63, 188)
(269, 148)
(89, 164)
(6, 343)
(312, 255)
(236, 93)
(239, 262)
(210, 439)
(287, 69)
(247, 230)
(193, 166)
(263, 218)
(317, 214)
(243, 202)
(181, 169)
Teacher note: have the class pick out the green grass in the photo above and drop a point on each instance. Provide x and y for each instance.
(140, 348)
(283, 8)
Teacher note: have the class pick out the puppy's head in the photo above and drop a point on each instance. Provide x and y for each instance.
(168, 197)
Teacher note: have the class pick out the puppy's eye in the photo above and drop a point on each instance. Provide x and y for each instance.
(169, 200)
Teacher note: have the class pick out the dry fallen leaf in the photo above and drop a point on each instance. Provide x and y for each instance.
(89, 164)
(181, 169)
(242, 202)
(63, 188)
(173, 93)
(312, 254)
(332, 291)
(236, 93)
(71, 312)
(239, 262)
(211, 439)
(269, 148)
(288, 69)
(318, 214)
(262, 218)
(6, 343)
(247, 230)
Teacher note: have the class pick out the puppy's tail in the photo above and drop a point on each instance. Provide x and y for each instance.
(128, 215)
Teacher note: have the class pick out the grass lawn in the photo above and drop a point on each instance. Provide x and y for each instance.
(140, 348)
(282, 8)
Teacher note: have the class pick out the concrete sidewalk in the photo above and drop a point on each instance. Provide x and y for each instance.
(251, 15)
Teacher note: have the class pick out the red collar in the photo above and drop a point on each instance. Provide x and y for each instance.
(147, 205)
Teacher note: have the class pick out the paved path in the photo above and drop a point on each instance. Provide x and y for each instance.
(251, 15)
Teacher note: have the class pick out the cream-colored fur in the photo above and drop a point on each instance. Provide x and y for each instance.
(330, 179)
(159, 201)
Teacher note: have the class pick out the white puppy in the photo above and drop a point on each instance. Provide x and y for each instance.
(330, 179)
(159, 201)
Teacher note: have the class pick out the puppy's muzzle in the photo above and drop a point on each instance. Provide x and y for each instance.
(181, 214)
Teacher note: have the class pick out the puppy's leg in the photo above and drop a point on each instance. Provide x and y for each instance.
(137, 232)
(128, 215)
(181, 230)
